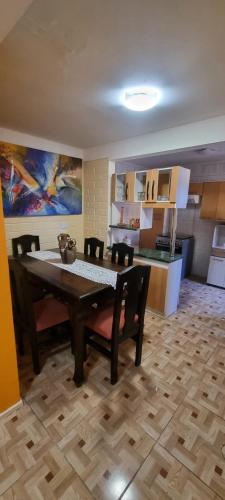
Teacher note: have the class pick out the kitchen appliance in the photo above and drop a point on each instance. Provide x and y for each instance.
(193, 199)
(216, 271)
(184, 245)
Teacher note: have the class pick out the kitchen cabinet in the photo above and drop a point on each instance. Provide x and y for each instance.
(158, 188)
(123, 187)
(213, 201)
(164, 285)
(146, 183)
(122, 214)
(151, 186)
(167, 187)
(209, 200)
(216, 271)
(220, 212)
(196, 188)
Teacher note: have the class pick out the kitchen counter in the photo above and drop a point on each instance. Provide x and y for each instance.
(165, 278)
(159, 255)
(153, 254)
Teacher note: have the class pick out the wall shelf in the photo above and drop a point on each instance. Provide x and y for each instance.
(126, 228)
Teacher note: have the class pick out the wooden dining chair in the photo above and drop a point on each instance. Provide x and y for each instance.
(92, 245)
(121, 252)
(37, 316)
(23, 244)
(20, 246)
(122, 320)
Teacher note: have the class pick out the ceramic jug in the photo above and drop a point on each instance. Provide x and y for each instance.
(67, 247)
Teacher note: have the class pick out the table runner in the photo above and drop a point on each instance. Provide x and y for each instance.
(81, 268)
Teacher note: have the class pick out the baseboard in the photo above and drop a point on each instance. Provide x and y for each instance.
(14, 407)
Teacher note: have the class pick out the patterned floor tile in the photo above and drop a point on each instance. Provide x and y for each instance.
(162, 477)
(50, 478)
(209, 391)
(158, 407)
(173, 366)
(23, 440)
(195, 437)
(106, 449)
(96, 439)
(217, 360)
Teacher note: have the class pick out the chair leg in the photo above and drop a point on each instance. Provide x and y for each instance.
(35, 356)
(21, 345)
(85, 351)
(139, 342)
(114, 365)
(19, 339)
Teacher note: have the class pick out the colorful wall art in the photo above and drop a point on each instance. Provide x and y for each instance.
(36, 182)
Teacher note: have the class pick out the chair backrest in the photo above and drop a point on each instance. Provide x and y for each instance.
(91, 245)
(131, 293)
(25, 243)
(121, 251)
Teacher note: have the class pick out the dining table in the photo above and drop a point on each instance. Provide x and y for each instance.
(78, 292)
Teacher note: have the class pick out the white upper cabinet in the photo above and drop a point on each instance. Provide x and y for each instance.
(158, 188)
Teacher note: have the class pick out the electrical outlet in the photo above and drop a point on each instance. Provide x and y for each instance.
(63, 227)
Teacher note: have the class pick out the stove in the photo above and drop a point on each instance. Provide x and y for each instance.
(184, 245)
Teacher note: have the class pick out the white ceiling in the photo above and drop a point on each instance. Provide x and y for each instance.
(11, 11)
(63, 65)
(206, 154)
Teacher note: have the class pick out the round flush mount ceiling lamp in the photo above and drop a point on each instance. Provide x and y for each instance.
(141, 98)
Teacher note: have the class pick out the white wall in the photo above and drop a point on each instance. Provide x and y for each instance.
(46, 227)
(189, 220)
(177, 138)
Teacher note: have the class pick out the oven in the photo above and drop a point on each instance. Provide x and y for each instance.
(184, 245)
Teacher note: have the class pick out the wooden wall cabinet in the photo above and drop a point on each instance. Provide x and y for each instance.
(158, 188)
(123, 187)
(220, 212)
(213, 201)
(196, 188)
(151, 191)
(167, 187)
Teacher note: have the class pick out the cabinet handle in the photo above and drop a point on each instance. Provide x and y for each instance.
(126, 191)
(147, 190)
(153, 189)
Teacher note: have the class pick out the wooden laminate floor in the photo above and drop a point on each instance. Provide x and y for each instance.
(158, 434)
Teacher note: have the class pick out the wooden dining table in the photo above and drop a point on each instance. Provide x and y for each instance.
(78, 292)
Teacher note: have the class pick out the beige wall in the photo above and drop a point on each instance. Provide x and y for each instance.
(47, 228)
(96, 198)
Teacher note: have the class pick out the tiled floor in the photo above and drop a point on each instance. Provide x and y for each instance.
(157, 434)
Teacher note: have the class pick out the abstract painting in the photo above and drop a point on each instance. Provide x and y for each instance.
(36, 182)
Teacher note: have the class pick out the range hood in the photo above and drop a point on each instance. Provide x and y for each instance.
(193, 199)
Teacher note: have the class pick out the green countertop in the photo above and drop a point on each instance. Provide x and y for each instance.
(149, 253)
(159, 255)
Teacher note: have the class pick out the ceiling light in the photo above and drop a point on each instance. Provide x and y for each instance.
(141, 98)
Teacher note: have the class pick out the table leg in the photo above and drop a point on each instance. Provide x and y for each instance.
(77, 323)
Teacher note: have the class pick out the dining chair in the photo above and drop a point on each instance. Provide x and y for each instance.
(124, 319)
(121, 252)
(91, 245)
(20, 246)
(23, 244)
(38, 316)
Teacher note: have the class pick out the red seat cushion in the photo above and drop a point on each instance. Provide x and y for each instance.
(49, 312)
(101, 321)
